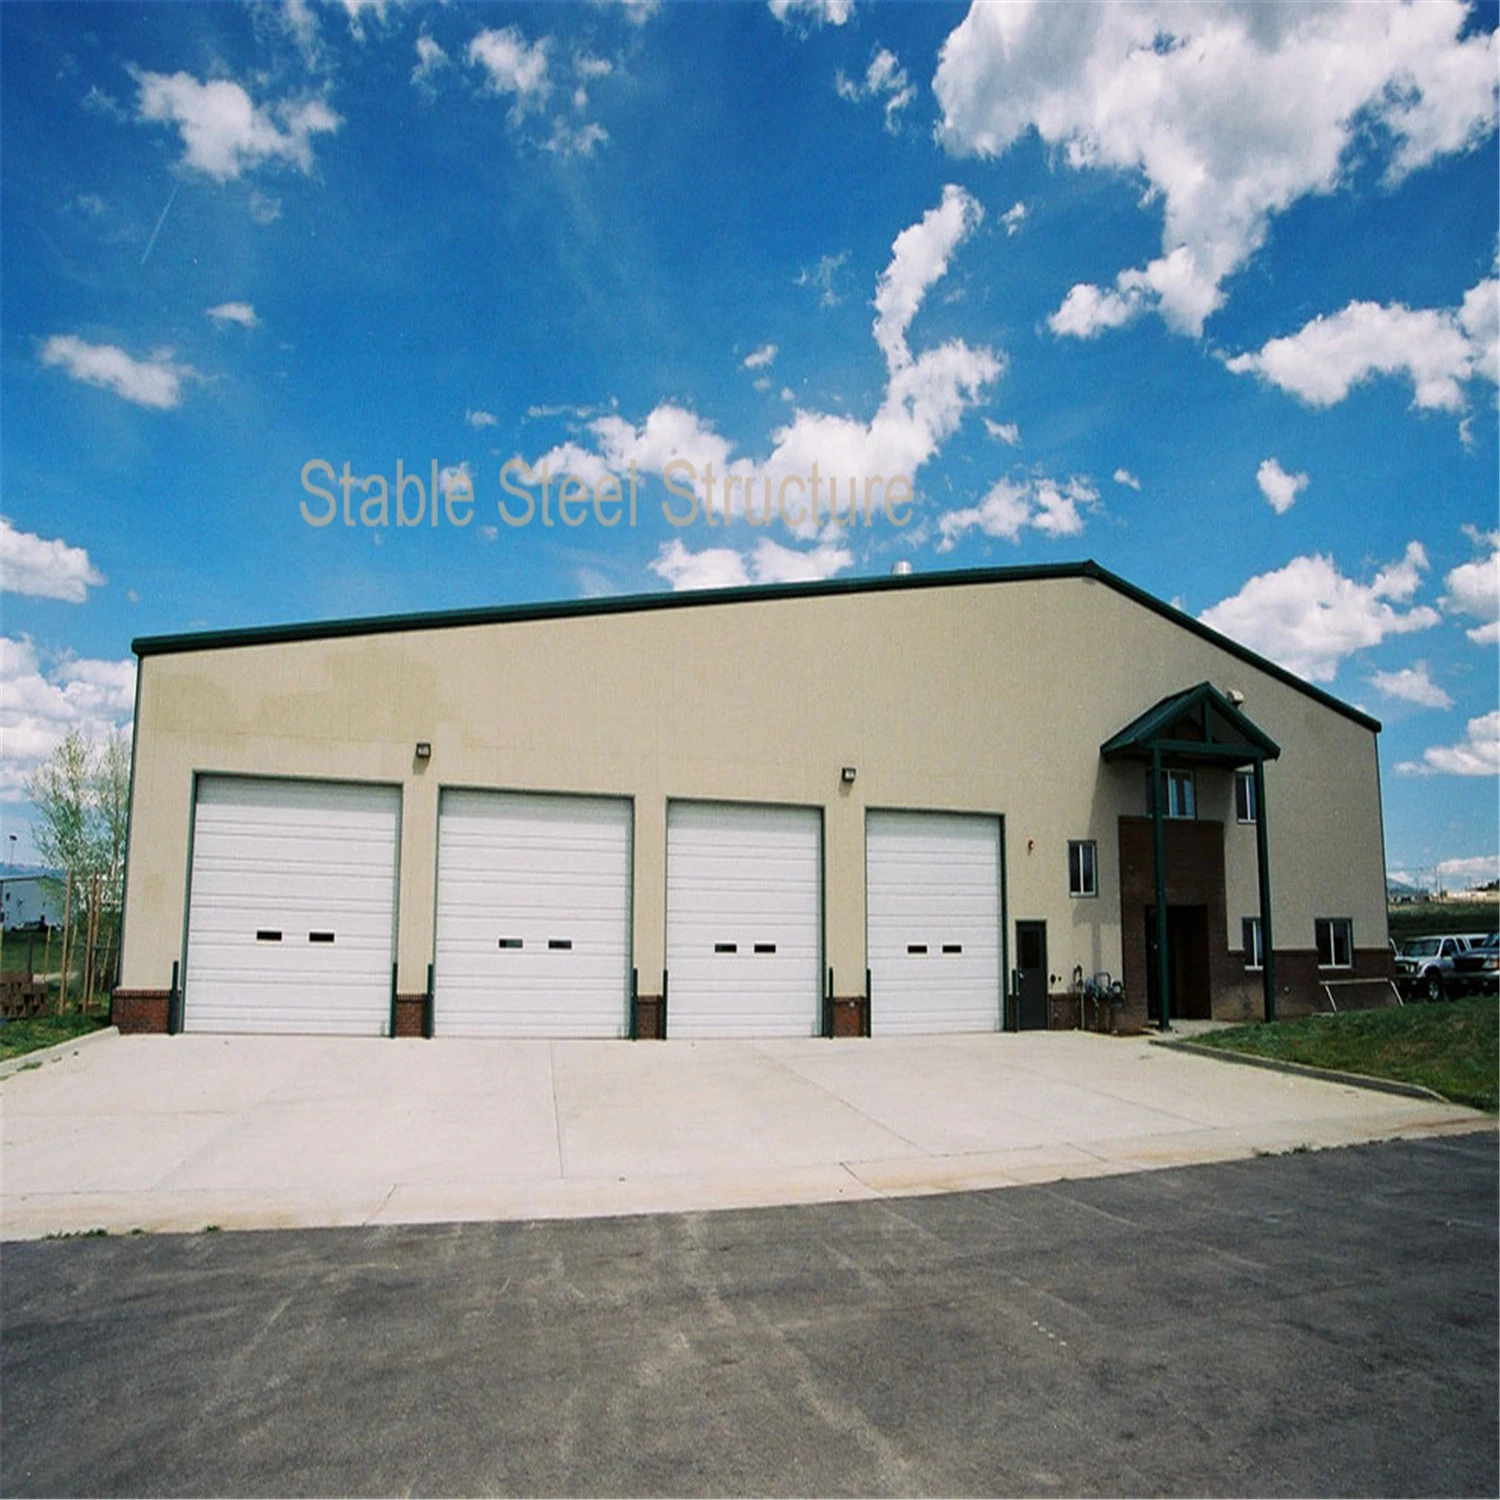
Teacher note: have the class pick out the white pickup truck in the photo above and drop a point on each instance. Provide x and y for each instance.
(1424, 965)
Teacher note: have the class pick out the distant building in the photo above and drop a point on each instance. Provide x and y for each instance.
(31, 900)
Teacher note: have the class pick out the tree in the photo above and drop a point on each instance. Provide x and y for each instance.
(82, 798)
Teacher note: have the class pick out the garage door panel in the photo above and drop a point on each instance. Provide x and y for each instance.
(744, 888)
(292, 902)
(533, 915)
(933, 922)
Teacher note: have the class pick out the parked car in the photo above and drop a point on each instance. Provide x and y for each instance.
(1424, 965)
(1477, 968)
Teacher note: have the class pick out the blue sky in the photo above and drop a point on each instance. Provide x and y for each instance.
(1206, 293)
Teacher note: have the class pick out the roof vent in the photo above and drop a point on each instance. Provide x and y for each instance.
(901, 569)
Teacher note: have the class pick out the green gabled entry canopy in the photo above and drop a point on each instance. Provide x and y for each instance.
(1200, 724)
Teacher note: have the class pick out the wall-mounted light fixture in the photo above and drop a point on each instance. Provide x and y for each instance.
(847, 775)
(424, 749)
(1235, 696)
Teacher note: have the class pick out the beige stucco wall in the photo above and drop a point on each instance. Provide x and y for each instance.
(981, 697)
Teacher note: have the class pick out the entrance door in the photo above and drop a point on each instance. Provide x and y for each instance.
(1031, 976)
(1187, 963)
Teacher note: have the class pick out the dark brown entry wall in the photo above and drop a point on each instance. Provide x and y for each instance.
(1209, 980)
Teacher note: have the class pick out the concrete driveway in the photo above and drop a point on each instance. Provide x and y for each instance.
(177, 1133)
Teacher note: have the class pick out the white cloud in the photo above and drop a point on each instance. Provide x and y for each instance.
(766, 562)
(884, 77)
(1008, 433)
(264, 210)
(1280, 488)
(812, 12)
(430, 59)
(637, 12)
(38, 707)
(224, 132)
(481, 419)
(1125, 477)
(1308, 616)
(919, 257)
(923, 403)
(1013, 218)
(155, 382)
(355, 11)
(513, 65)
(1438, 349)
(1476, 869)
(1413, 685)
(45, 569)
(758, 359)
(824, 276)
(575, 140)
(1230, 114)
(450, 474)
(567, 458)
(1012, 505)
(712, 568)
(1477, 754)
(1473, 588)
(300, 20)
(234, 312)
(1086, 311)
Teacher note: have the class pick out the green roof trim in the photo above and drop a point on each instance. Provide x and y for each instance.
(509, 614)
(1152, 730)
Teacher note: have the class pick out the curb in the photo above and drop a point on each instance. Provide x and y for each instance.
(28, 1060)
(1303, 1070)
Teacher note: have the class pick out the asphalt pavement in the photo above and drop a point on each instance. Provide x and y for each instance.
(1309, 1323)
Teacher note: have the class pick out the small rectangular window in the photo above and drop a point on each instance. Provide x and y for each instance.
(1245, 810)
(511, 942)
(320, 937)
(765, 947)
(1083, 867)
(268, 935)
(1250, 931)
(1181, 799)
(1335, 939)
(726, 947)
(916, 947)
(560, 945)
(953, 947)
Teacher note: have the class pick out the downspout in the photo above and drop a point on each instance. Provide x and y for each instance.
(1263, 869)
(1158, 834)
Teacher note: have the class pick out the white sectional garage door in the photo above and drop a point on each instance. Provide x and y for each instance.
(744, 888)
(533, 916)
(933, 922)
(292, 907)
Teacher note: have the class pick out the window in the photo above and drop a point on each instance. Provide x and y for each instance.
(1254, 956)
(1083, 867)
(1335, 938)
(1181, 800)
(1245, 808)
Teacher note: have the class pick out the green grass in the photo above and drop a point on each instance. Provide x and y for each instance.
(20, 1037)
(1452, 1048)
(1424, 918)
